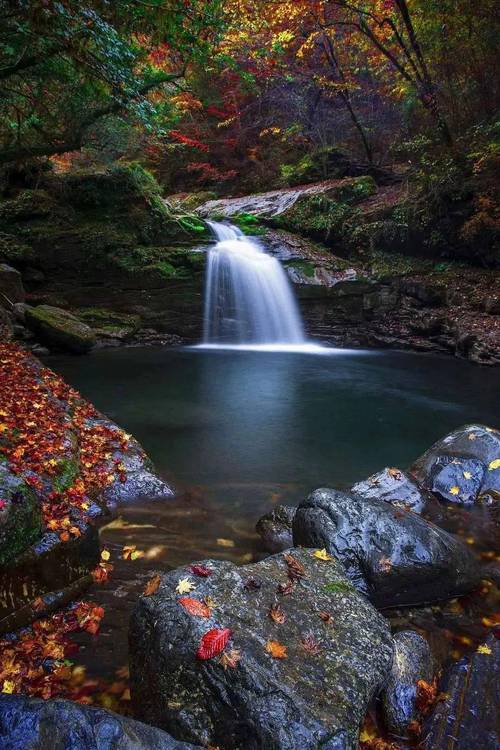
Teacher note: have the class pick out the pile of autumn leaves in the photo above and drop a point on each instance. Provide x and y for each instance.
(47, 438)
(54, 441)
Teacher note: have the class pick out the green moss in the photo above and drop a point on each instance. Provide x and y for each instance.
(12, 251)
(27, 205)
(68, 471)
(339, 587)
(302, 266)
(23, 524)
(98, 316)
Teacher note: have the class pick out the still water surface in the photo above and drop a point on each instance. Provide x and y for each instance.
(236, 432)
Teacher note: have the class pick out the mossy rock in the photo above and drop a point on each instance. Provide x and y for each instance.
(28, 204)
(20, 517)
(191, 201)
(60, 329)
(13, 251)
(320, 164)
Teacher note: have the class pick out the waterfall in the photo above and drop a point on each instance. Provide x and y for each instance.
(248, 298)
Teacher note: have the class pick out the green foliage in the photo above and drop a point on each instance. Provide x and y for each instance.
(339, 587)
(324, 163)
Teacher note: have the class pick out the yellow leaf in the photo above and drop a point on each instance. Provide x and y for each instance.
(105, 555)
(8, 686)
(482, 649)
(225, 542)
(454, 490)
(467, 475)
(184, 586)
(322, 554)
(494, 464)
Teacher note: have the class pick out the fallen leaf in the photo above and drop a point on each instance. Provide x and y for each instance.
(194, 606)
(276, 614)
(426, 696)
(322, 554)
(184, 586)
(252, 584)
(105, 555)
(326, 617)
(395, 474)
(200, 570)
(230, 659)
(277, 650)
(152, 585)
(130, 552)
(484, 649)
(210, 602)
(295, 568)
(467, 475)
(286, 588)
(225, 542)
(213, 642)
(8, 686)
(385, 564)
(494, 464)
(310, 644)
(454, 490)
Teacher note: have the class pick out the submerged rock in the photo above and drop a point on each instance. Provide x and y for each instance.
(464, 466)
(299, 675)
(468, 716)
(63, 725)
(412, 662)
(393, 486)
(392, 556)
(60, 329)
(275, 528)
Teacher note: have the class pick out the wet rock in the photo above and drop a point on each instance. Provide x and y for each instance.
(393, 486)
(463, 466)
(338, 651)
(468, 716)
(275, 528)
(20, 515)
(393, 556)
(63, 725)
(11, 285)
(60, 329)
(412, 662)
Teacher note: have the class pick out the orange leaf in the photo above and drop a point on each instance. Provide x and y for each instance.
(152, 585)
(194, 606)
(277, 650)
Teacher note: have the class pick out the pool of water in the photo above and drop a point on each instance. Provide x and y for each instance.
(236, 432)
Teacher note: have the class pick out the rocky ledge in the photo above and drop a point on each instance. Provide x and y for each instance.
(63, 468)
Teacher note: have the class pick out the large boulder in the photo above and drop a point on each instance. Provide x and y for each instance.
(36, 724)
(312, 653)
(394, 557)
(11, 285)
(412, 662)
(275, 528)
(463, 467)
(60, 329)
(467, 717)
(393, 486)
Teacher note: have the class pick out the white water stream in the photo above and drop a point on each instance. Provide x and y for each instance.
(249, 302)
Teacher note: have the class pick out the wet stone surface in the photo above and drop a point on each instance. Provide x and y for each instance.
(337, 652)
(394, 557)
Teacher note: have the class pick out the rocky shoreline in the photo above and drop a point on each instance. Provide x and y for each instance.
(293, 651)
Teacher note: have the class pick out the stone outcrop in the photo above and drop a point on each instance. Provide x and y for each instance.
(394, 557)
(60, 329)
(63, 725)
(305, 656)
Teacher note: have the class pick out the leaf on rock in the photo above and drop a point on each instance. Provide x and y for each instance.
(200, 570)
(426, 696)
(105, 555)
(296, 570)
(213, 643)
(152, 585)
(322, 554)
(252, 584)
(385, 564)
(276, 614)
(184, 586)
(285, 589)
(494, 464)
(326, 617)
(484, 649)
(395, 474)
(130, 552)
(230, 659)
(194, 606)
(310, 644)
(225, 542)
(277, 650)
(454, 490)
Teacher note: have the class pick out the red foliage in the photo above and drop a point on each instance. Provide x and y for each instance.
(213, 643)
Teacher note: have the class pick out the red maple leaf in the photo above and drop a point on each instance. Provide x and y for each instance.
(213, 643)
(200, 570)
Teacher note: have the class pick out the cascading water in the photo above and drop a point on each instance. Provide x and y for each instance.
(248, 299)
